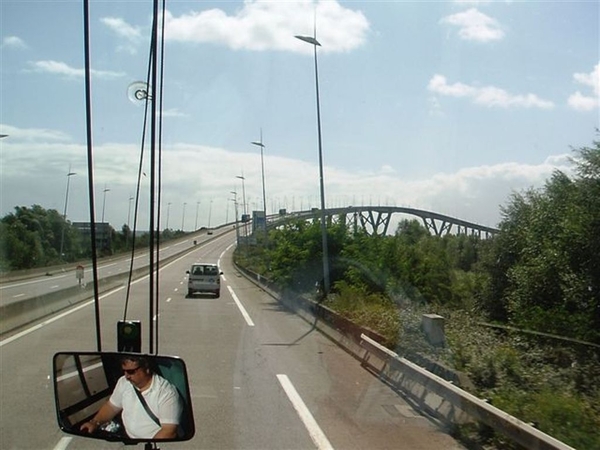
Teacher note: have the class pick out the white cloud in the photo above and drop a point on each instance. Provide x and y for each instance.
(34, 163)
(122, 28)
(33, 134)
(583, 102)
(476, 193)
(475, 26)
(272, 26)
(489, 96)
(132, 35)
(61, 68)
(13, 42)
(173, 112)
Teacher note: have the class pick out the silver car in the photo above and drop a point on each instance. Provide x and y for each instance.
(204, 277)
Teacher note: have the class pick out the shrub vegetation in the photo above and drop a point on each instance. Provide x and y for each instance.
(540, 273)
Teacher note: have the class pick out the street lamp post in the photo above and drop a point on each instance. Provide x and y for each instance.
(168, 210)
(62, 237)
(262, 163)
(129, 221)
(245, 221)
(313, 41)
(129, 212)
(105, 234)
(104, 201)
(209, 212)
(235, 205)
(183, 217)
(197, 208)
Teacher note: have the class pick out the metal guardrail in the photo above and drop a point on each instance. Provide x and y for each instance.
(539, 334)
(401, 372)
(434, 394)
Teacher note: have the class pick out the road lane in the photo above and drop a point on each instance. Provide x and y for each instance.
(239, 401)
(315, 432)
(65, 277)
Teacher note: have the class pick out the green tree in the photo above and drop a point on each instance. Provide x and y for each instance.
(544, 266)
(294, 261)
(34, 237)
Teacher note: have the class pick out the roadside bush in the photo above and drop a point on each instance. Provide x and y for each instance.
(560, 414)
(373, 311)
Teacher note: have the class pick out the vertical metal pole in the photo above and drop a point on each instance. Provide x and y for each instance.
(322, 186)
(153, 126)
(62, 237)
(129, 212)
(90, 159)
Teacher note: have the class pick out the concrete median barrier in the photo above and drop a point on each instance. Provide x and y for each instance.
(21, 313)
(18, 314)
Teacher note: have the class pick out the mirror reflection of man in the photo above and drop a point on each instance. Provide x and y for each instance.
(159, 419)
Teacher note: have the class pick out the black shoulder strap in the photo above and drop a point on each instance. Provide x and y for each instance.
(146, 407)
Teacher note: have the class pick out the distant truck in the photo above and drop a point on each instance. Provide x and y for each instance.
(282, 212)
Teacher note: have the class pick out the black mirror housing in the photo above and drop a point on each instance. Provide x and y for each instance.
(84, 381)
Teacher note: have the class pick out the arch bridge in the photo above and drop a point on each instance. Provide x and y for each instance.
(376, 220)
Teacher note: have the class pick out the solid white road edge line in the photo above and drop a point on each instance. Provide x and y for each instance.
(63, 443)
(316, 434)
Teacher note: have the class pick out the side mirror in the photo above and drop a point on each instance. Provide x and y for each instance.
(84, 382)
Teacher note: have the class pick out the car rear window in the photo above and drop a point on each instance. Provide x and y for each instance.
(205, 270)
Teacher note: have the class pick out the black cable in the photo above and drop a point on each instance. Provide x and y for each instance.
(90, 158)
(139, 179)
(153, 175)
(160, 122)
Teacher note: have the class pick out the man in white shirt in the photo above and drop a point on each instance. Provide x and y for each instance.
(159, 419)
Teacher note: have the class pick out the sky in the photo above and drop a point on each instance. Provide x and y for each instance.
(446, 106)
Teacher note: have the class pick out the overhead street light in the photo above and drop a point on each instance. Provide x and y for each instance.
(313, 41)
(104, 201)
(129, 212)
(105, 232)
(262, 163)
(62, 237)
(235, 205)
(245, 218)
(168, 210)
(197, 207)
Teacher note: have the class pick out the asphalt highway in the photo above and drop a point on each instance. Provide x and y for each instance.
(260, 376)
(65, 277)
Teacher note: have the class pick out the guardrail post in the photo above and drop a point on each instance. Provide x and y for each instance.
(433, 327)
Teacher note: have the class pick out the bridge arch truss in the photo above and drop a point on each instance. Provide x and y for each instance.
(376, 220)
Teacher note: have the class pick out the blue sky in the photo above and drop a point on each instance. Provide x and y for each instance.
(444, 106)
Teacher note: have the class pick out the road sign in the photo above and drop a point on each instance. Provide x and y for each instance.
(79, 273)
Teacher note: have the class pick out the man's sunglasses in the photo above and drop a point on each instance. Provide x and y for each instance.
(131, 371)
